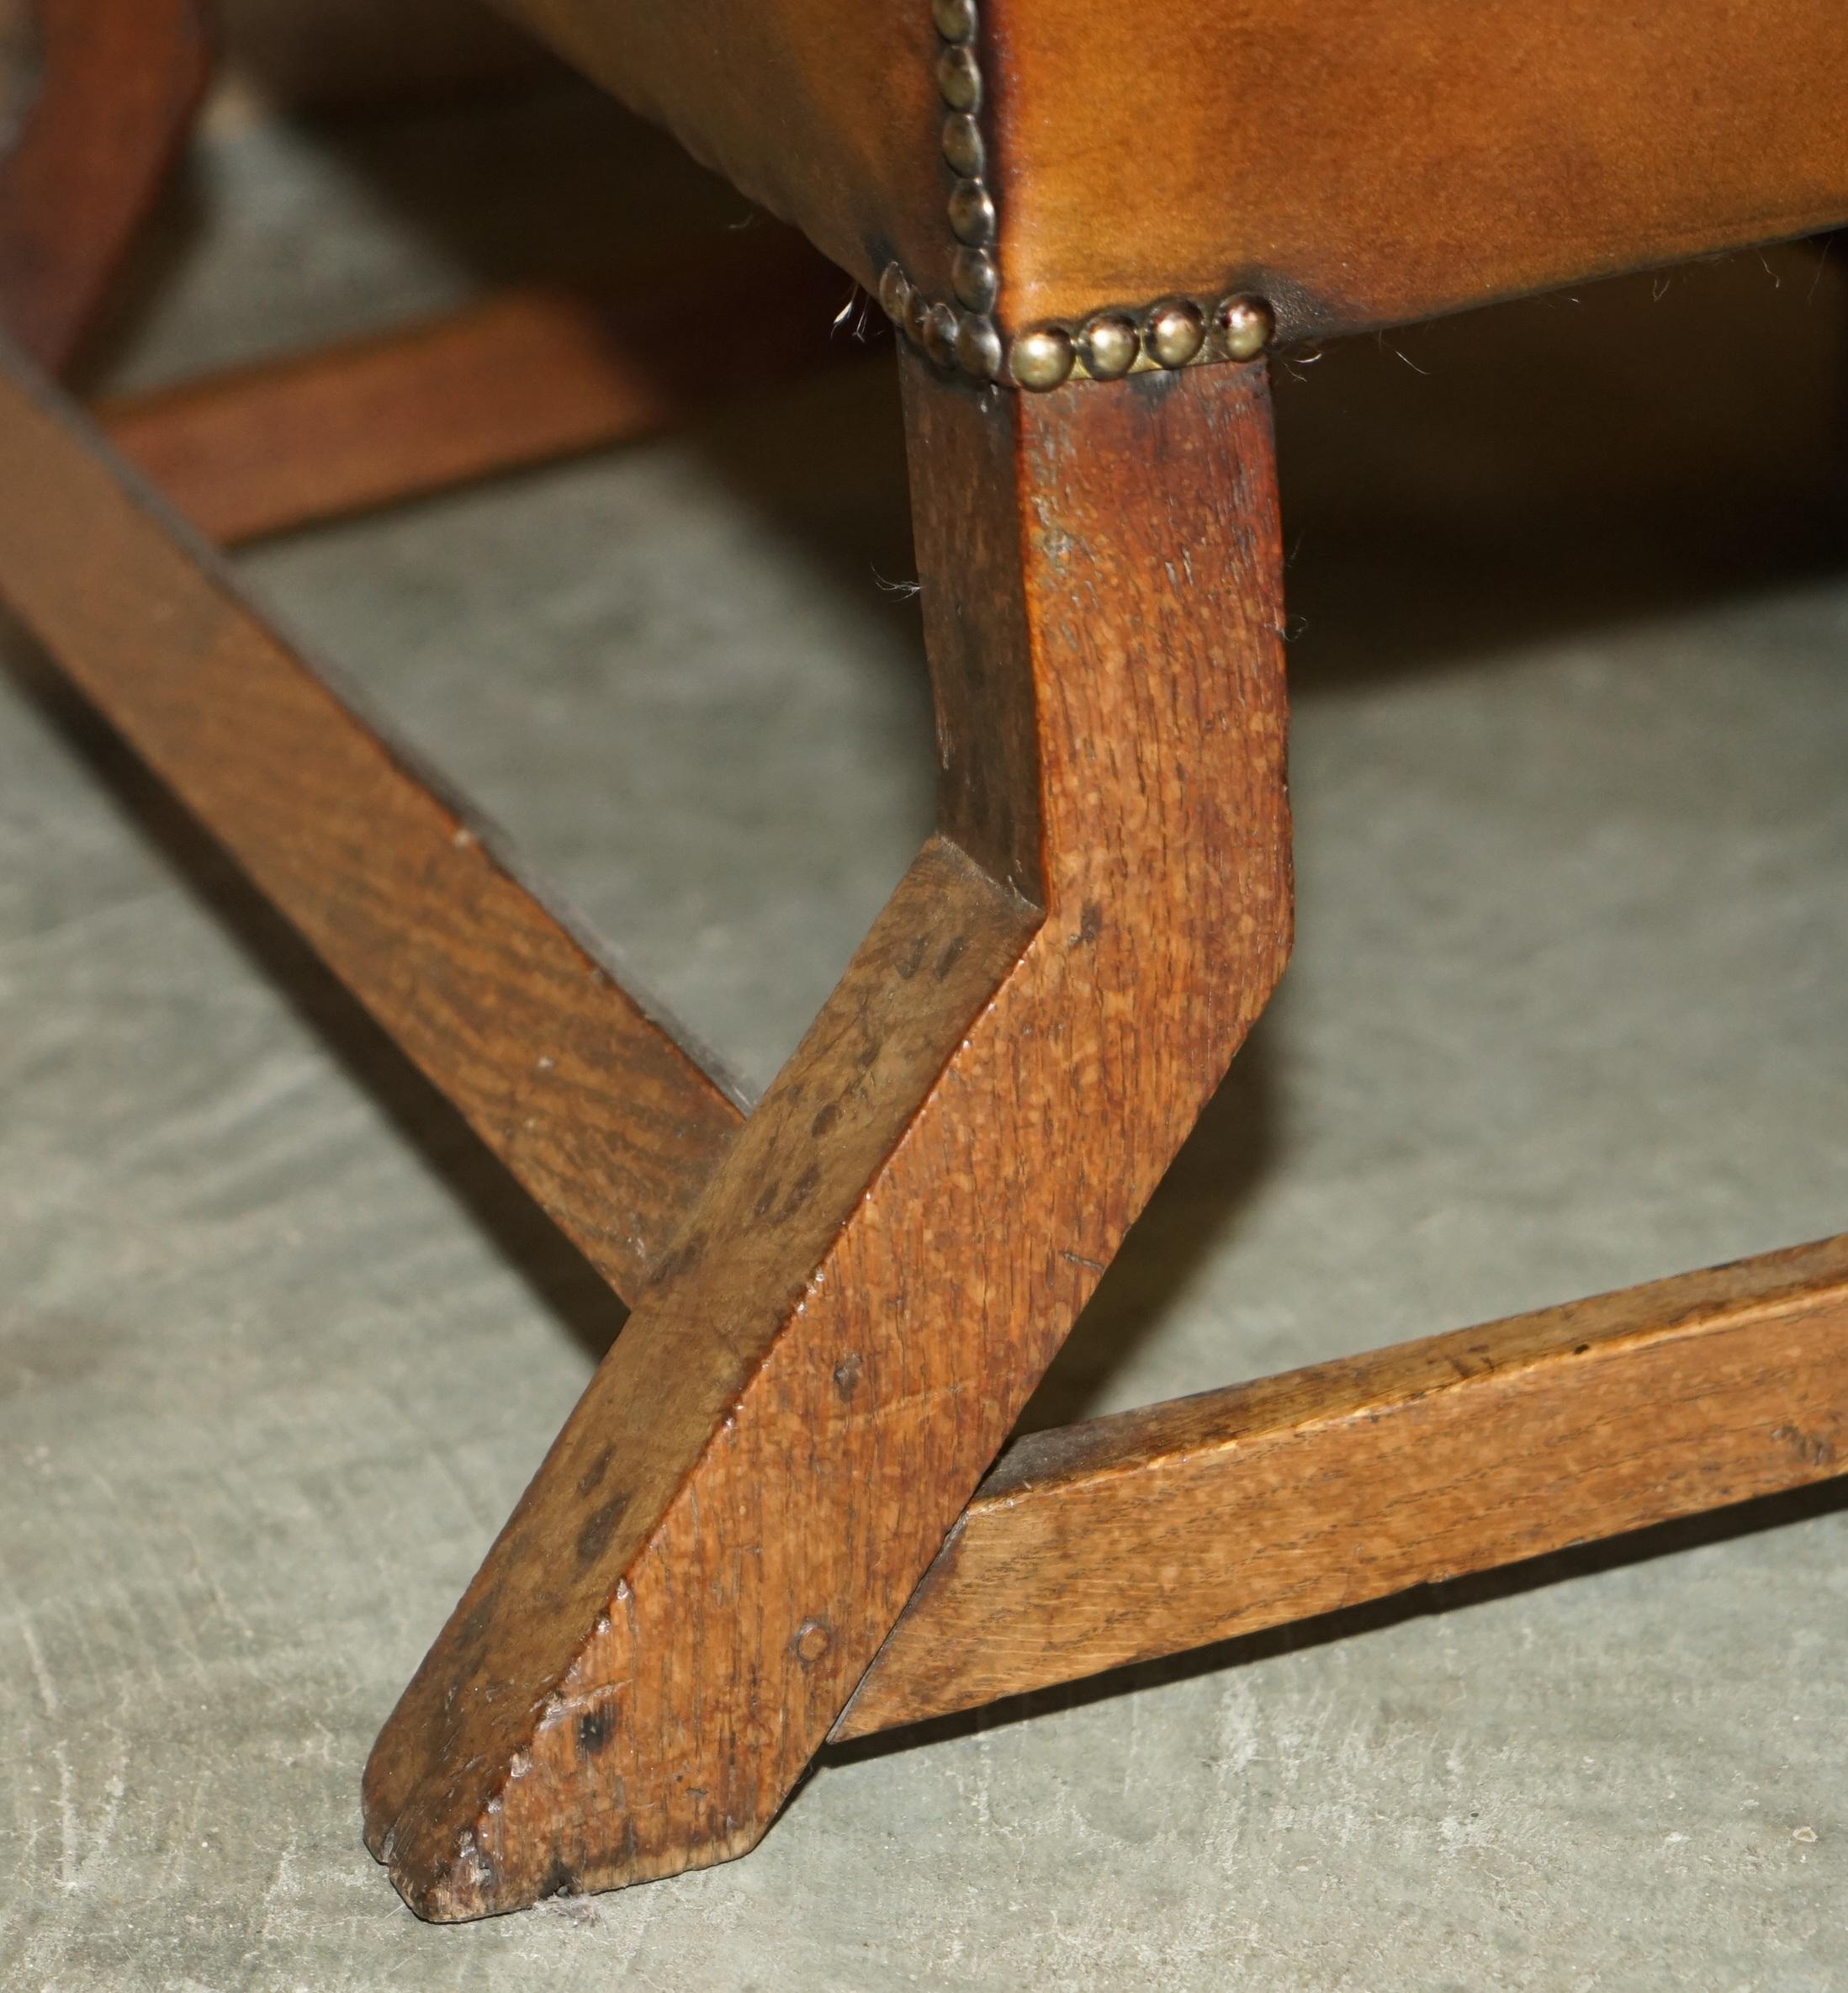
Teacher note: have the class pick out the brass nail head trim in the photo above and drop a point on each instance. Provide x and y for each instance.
(971, 213)
(1174, 332)
(978, 347)
(917, 312)
(955, 19)
(894, 294)
(1041, 359)
(959, 80)
(1246, 325)
(1108, 345)
(976, 279)
(939, 334)
(962, 146)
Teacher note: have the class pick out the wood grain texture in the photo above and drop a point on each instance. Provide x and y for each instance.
(1162, 1529)
(119, 82)
(587, 1098)
(523, 376)
(888, 1257)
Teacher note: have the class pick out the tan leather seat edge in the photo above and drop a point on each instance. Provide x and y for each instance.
(1357, 163)
(1368, 161)
(824, 111)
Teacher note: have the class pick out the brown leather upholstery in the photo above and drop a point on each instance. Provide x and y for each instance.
(1358, 161)
(1371, 160)
(825, 111)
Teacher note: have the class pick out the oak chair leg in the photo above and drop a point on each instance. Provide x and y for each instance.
(887, 1258)
(843, 1306)
(582, 1089)
(119, 83)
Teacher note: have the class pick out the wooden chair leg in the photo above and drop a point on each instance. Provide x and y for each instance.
(119, 83)
(581, 1089)
(843, 1304)
(900, 1237)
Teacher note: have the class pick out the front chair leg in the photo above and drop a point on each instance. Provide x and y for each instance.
(883, 1265)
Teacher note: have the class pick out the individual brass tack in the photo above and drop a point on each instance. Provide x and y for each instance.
(894, 294)
(1042, 358)
(962, 145)
(977, 280)
(978, 347)
(1247, 325)
(959, 79)
(971, 212)
(1108, 346)
(1174, 332)
(955, 19)
(940, 334)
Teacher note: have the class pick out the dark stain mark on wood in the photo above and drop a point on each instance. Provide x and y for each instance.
(595, 1728)
(683, 1259)
(1811, 1448)
(476, 1627)
(598, 1526)
(800, 1191)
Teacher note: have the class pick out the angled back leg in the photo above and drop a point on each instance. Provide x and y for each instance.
(118, 83)
(883, 1264)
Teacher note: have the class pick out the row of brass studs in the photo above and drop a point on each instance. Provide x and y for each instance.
(1174, 333)
(1177, 332)
(953, 338)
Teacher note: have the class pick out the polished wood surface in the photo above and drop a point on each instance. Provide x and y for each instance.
(1154, 1531)
(522, 377)
(590, 1102)
(886, 1259)
(119, 86)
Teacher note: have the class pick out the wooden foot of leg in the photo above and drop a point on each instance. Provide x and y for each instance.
(893, 1248)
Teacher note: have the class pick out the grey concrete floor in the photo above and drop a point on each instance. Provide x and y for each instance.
(278, 1346)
